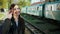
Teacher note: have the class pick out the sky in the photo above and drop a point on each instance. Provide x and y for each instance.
(33, 1)
(15, 1)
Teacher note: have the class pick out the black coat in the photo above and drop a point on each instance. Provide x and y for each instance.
(11, 29)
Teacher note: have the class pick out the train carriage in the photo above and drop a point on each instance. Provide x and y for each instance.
(32, 10)
(29, 10)
(52, 10)
(35, 10)
(23, 10)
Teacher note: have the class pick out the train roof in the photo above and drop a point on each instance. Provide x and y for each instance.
(53, 2)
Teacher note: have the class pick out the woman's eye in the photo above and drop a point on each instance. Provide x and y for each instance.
(16, 8)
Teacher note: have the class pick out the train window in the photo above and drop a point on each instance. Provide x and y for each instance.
(40, 7)
(37, 8)
(50, 7)
(58, 6)
(47, 7)
(53, 7)
(28, 9)
(34, 8)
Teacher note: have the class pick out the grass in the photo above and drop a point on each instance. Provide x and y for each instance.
(1, 16)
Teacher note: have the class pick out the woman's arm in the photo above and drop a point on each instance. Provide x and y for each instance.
(6, 26)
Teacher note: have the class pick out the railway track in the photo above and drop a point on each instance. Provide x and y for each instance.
(33, 29)
(43, 27)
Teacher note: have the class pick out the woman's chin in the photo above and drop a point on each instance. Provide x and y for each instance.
(16, 15)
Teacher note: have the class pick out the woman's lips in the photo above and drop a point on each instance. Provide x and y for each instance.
(17, 13)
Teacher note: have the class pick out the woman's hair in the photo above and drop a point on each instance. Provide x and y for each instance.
(12, 6)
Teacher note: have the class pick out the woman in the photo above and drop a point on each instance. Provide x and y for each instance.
(14, 24)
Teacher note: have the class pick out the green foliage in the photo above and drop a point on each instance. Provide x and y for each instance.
(24, 3)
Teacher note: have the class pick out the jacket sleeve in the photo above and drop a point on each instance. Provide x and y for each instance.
(6, 26)
(23, 27)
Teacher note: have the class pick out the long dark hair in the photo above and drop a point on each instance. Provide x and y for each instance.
(12, 6)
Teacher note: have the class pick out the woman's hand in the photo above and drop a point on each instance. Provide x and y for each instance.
(9, 15)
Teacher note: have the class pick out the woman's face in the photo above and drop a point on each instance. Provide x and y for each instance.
(16, 10)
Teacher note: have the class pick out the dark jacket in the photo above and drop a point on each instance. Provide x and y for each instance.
(11, 29)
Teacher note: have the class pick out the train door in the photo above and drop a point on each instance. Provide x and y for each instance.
(40, 10)
(51, 11)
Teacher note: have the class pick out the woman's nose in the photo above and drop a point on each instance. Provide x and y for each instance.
(17, 9)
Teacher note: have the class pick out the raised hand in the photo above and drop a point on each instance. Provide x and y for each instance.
(9, 15)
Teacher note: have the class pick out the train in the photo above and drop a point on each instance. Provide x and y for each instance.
(50, 10)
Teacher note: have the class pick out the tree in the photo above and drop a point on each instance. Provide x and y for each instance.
(23, 3)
